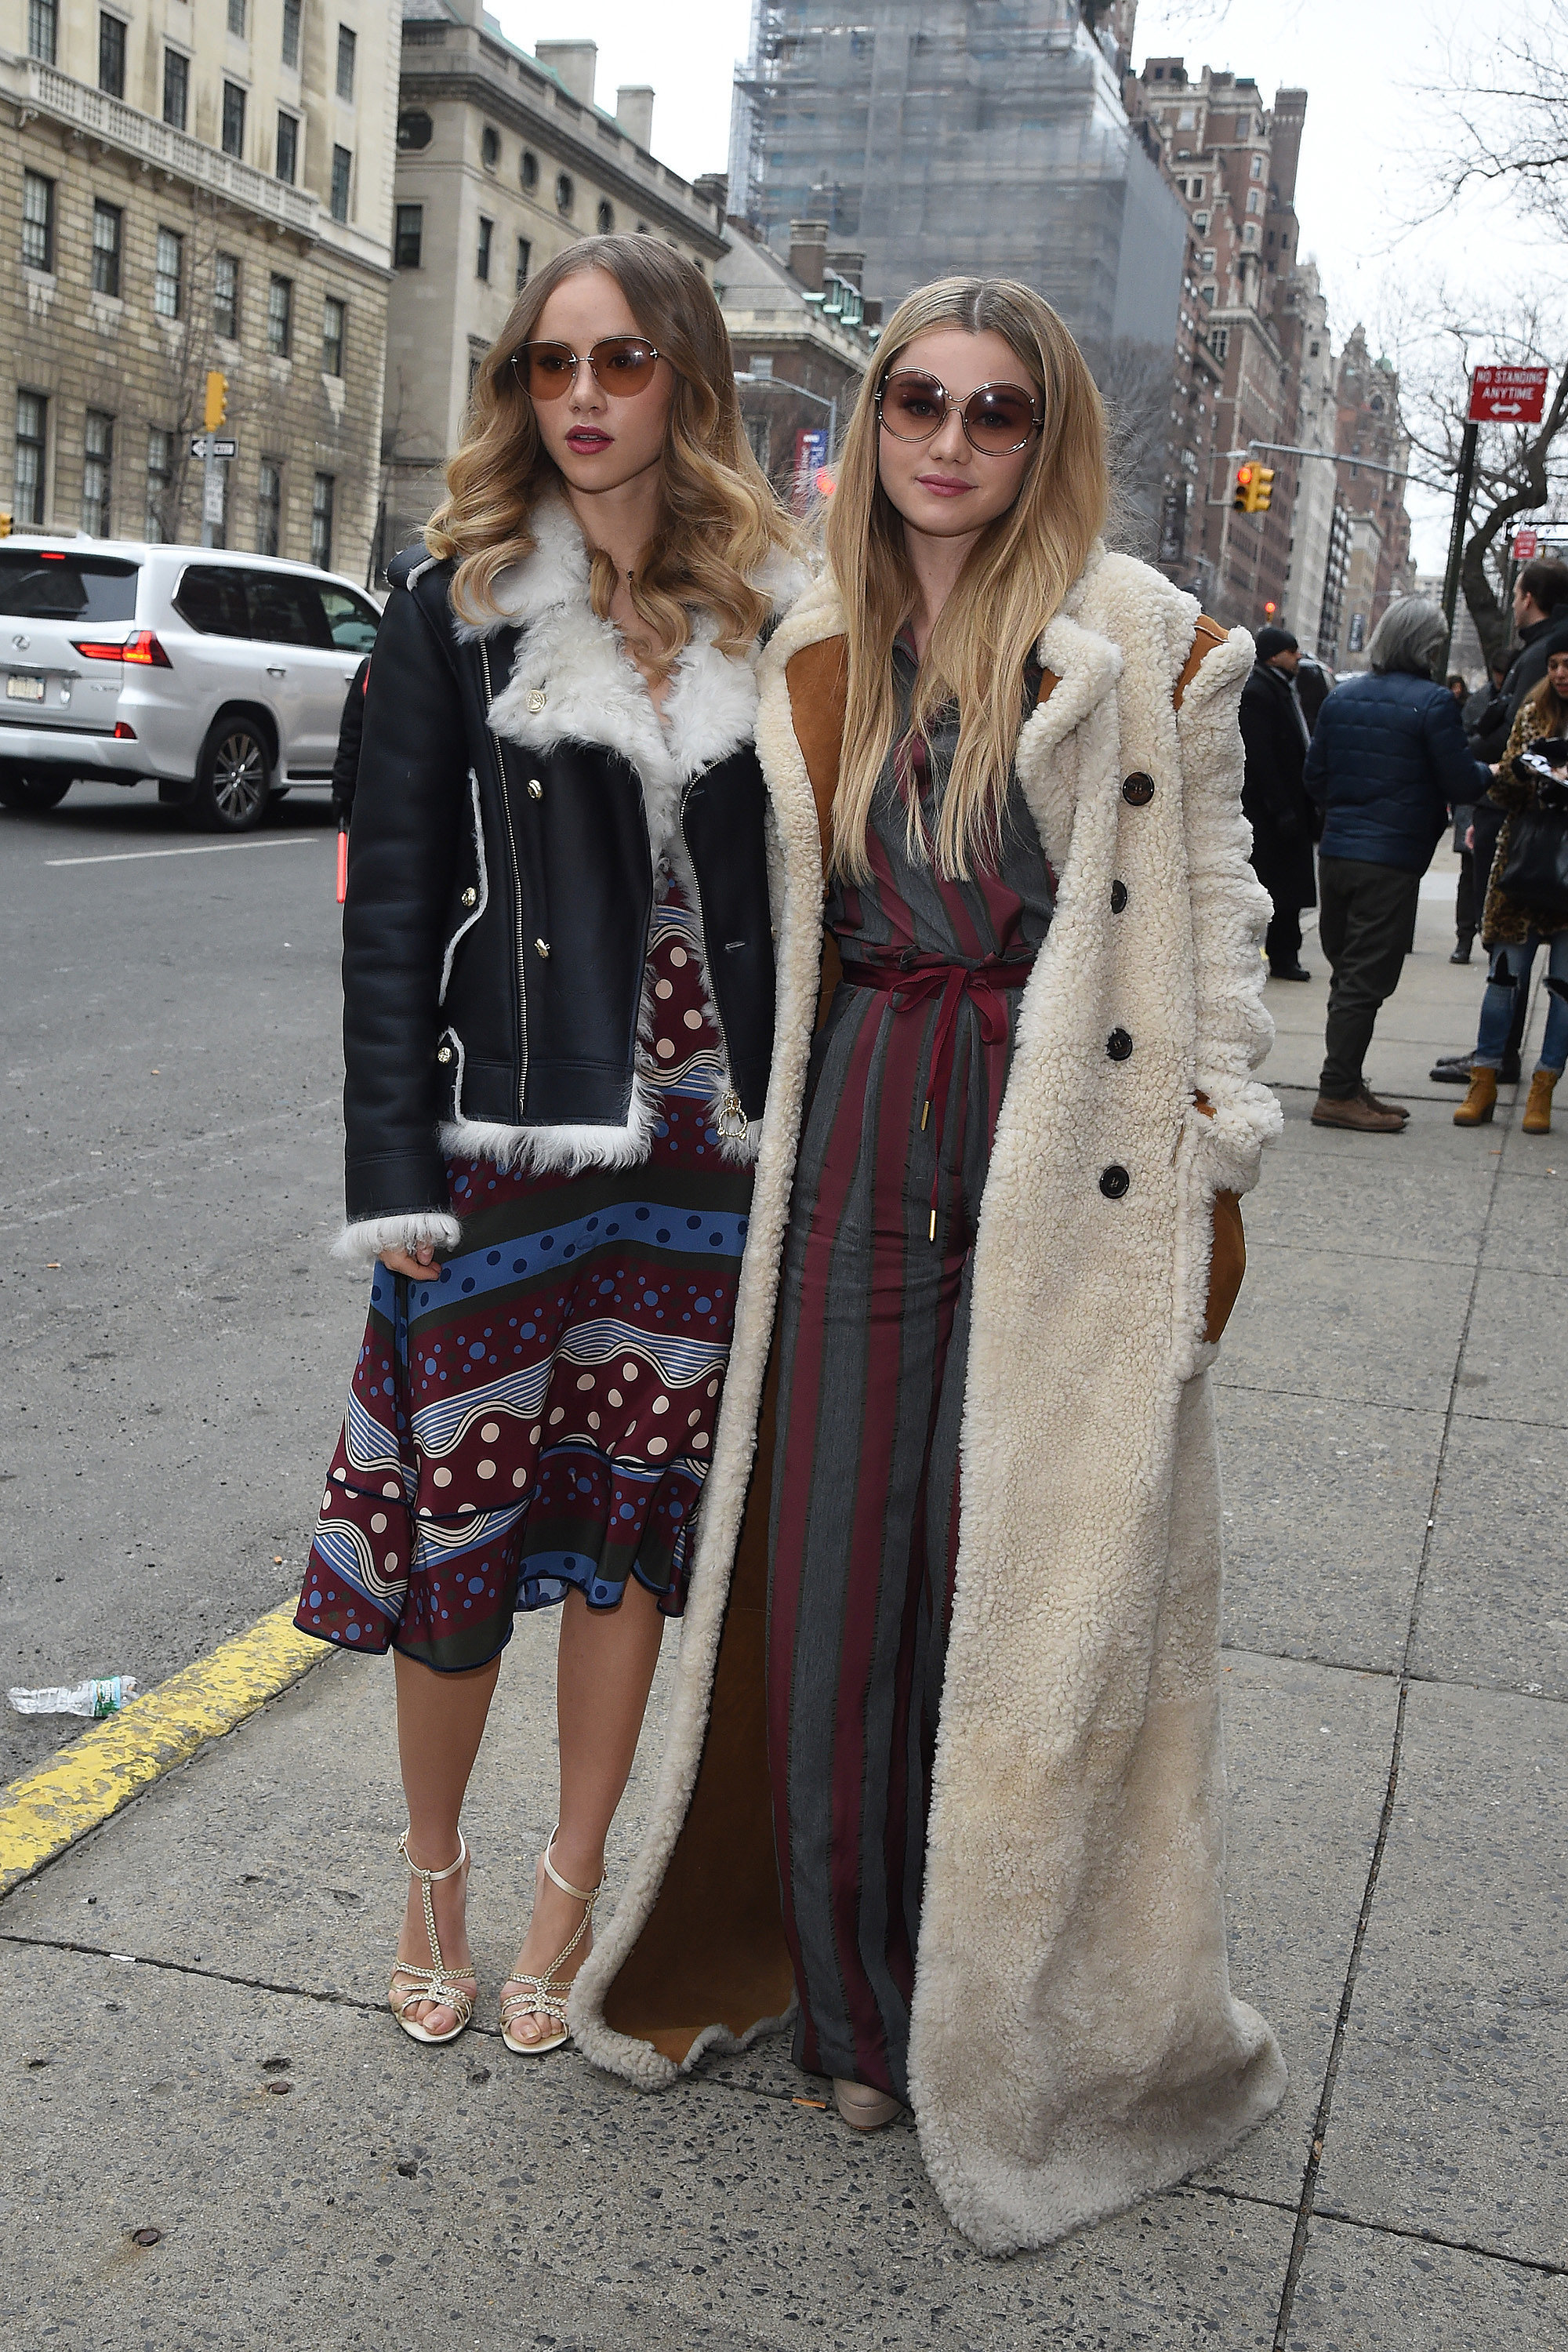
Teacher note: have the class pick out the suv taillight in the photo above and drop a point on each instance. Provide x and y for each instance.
(142, 648)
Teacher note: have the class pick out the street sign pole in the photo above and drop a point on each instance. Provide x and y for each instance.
(1456, 536)
(211, 493)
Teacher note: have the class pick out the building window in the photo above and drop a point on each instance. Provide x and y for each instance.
(168, 273)
(565, 194)
(334, 320)
(111, 53)
(281, 317)
(342, 172)
(176, 89)
(97, 474)
(482, 259)
(321, 522)
(288, 146)
(524, 255)
(159, 481)
(758, 435)
(414, 128)
(225, 296)
(268, 506)
(607, 218)
(408, 236)
(292, 34)
(232, 119)
(528, 169)
(27, 494)
(1257, 167)
(106, 220)
(1205, 260)
(42, 30)
(490, 148)
(236, 18)
(346, 46)
(37, 221)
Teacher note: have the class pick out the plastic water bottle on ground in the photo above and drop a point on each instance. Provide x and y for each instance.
(105, 1696)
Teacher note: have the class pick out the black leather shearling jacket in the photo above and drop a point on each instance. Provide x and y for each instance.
(498, 913)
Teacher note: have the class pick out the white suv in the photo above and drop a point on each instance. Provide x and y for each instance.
(222, 676)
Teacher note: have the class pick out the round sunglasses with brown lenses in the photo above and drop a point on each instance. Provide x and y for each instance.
(997, 418)
(622, 364)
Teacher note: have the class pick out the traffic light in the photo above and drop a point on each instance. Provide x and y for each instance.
(217, 407)
(4, 526)
(1254, 489)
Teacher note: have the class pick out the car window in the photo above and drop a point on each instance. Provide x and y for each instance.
(37, 587)
(284, 611)
(211, 597)
(351, 619)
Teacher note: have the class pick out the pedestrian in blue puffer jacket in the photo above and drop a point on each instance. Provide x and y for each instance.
(1388, 761)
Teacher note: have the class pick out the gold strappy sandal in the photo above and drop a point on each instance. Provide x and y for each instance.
(437, 1983)
(544, 1996)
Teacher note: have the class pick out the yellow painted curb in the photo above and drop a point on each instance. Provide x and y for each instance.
(89, 1780)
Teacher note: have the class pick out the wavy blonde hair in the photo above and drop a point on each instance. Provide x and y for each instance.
(720, 519)
(1014, 581)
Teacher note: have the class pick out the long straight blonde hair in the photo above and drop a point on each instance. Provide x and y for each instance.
(1014, 581)
(720, 519)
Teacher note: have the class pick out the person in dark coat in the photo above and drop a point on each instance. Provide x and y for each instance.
(1273, 799)
(345, 766)
(1313, 685)
(1540, 617)
(1487, 720)
(1388, 761)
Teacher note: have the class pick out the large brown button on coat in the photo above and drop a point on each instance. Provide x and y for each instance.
(1137, 790)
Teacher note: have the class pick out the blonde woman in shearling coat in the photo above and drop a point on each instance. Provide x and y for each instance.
(974, 1692)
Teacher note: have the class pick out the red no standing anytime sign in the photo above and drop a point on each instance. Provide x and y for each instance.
(1508, 395)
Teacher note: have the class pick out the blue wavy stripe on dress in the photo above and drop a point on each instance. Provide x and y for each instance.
(439, 1427)
(348, 1555)
(449, 1538)
(368, 1445)
(653, 1225)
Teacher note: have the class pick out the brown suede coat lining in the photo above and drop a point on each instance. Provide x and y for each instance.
(713, 1949)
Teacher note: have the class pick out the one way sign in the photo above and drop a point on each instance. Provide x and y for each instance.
(1508, 395)
(220, 447)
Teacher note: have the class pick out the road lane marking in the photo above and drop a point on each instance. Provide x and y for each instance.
(202, 849)
(87, 1782)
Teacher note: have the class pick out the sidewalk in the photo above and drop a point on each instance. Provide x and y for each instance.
(195, 2044)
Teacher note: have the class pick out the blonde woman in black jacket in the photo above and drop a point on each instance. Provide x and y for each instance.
(559, 1008)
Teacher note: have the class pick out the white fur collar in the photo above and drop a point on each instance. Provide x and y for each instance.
(572, 680)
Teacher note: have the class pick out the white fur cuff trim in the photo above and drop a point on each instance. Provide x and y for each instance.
(362, 1244)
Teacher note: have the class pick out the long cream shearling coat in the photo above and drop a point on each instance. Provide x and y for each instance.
(1074, 2039)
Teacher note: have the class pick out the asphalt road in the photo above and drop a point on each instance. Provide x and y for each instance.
(178, 1338)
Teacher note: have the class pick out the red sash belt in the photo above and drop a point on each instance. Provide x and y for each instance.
(916, 980)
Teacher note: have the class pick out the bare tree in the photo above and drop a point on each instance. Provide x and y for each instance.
(1506, 118)
(1520, 469)
(1136, 383)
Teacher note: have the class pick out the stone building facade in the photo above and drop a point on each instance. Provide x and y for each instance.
(803, 335)
(197, 184)
(1372, 494)
(503, 159)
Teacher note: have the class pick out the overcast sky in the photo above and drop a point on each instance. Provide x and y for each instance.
(1366, 159)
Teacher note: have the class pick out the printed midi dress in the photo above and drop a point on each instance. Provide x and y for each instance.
(874, 1338)
(539, 1415)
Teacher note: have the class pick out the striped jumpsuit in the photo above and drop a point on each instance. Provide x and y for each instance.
(874, 1340)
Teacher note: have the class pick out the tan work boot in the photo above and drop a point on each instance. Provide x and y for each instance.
(1537, 1119)
(1359, 1112)
(1479, 1105)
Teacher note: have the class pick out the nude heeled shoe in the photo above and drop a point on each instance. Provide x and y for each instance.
(544, 1996)
(862, 2109)
(437, 1983)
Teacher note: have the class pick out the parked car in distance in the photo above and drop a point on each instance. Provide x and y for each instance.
(220, 676)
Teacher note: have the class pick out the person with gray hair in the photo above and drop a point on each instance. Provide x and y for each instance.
(1388, 763)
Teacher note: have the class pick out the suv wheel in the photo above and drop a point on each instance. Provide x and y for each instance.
(234, 777)
(40, 791)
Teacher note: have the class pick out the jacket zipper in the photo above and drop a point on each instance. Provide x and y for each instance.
(520, 968)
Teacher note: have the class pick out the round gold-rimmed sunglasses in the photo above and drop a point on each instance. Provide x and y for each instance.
(622, 364)
(997, 418)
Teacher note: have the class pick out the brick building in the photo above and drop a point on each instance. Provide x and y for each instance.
(192, 184)
(503, 159)
(1379, 567)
